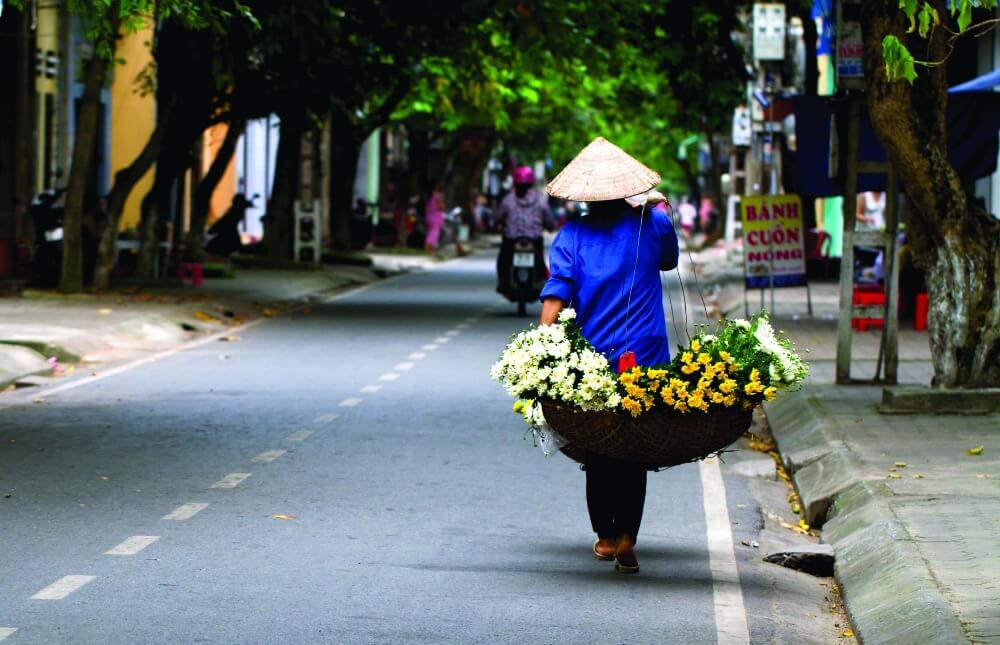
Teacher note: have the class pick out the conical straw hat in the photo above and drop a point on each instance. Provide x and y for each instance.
(600, 172)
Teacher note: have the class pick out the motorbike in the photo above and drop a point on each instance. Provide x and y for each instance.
(525, 273)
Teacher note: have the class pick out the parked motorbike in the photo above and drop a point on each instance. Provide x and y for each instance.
(47, 221)
(525, 273)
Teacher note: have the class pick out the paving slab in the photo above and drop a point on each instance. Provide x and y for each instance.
(911, 515)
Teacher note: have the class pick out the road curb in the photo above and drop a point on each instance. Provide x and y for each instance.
(889, 593)
(18, 362)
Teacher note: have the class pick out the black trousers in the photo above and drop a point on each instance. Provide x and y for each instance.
(616, 495)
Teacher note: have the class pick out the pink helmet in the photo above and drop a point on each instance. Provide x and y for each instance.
(524, 175)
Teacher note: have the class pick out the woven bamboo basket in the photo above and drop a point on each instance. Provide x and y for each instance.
(657, 439)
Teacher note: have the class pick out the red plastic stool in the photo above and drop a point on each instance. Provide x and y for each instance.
(192, 271)
(920, 312)
(870, 296)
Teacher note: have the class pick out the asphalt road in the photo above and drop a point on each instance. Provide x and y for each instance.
(345, 475)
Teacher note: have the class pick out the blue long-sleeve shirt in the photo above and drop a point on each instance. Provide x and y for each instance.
(591, 264)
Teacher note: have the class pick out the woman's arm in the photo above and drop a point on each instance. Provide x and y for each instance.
(550, 310)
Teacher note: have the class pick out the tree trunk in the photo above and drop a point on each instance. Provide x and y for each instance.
(95, 73)
(345, 146)
(810, 39)
(281, 208)
(195, 239)
(471, 155)
(955, 242)
(125, 181)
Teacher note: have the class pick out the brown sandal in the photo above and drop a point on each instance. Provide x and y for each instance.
(599, 555)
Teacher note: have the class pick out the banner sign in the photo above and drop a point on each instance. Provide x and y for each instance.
(772, 224)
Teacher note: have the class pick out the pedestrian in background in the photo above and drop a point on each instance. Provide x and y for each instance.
(434, 218)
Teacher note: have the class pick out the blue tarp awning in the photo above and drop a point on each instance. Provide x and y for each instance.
(983, 83)
(973, 145)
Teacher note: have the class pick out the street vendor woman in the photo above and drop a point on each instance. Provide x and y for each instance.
(607, 266)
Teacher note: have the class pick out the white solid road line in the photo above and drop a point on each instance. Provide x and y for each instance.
(133, 545)
(402, 367)
(301, 435)
(185, 511)
(389, 376)
(62, 587)
(6, 631)
(350, 403)
(727, 595)
(198, 342)
(429, 347)
(325, 418)
(370, 389)
(267, 456)
(416, 356)
(232, 480)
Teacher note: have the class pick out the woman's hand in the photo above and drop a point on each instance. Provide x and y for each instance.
(550, 311)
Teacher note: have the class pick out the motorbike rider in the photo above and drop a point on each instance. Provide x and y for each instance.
(523, 213)
(226, 232)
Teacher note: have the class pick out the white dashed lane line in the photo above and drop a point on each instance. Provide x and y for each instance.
(462, 325)
(325, 418)
(301, 435)
(6, 631)
(402, 367)
(371, 389)
(452, 332)
(62, 587)
(185, 511)
(133, 545)
(267, 456)
(350, 403)
(416, 356)
(389, 376)
(429, 347)
(441, 340)
(232, 480)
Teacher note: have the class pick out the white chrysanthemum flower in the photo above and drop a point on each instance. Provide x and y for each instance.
(567, 315)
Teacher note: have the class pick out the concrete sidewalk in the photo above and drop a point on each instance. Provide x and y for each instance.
(42, 325)
(911, 515)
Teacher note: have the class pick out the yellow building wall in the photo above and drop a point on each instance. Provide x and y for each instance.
(226, 189)
(133, 117)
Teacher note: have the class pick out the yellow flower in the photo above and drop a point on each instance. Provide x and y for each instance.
(705, 382)
(636, 371)
(724, 355)
(730, 400)
(717, 397)
(687, 357)
(746, 404)
(719, 368)
(656, 373)
(654, 386)
(519, 406)
(770, 393)
(667, 395)
(681, 406)
(696, 345)
(690, 368)
(752, 388)
(727, 386)
(704, 358)
(632, 406)
(626, 378)
(649, 402)
(754, 375)
(635, 391)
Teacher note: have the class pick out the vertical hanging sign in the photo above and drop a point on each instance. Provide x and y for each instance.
(772, 241)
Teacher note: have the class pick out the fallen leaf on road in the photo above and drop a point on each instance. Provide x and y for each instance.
(105, 477)
(744, 542)
(93, 373)
(38, 400)
(849, 633)
(104, 312)
(282, 516)
(230, 339)
(975, 452)
(202, 316)
(901, 464)
(270, 311)
(982, 476)
(918, 476)
(894, 476)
